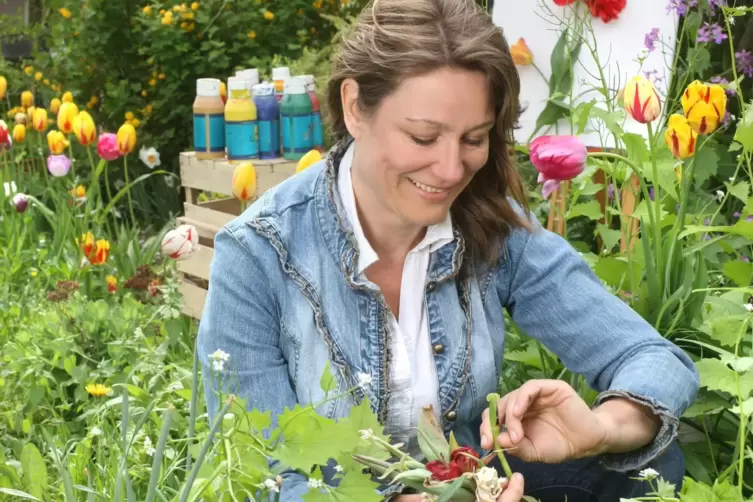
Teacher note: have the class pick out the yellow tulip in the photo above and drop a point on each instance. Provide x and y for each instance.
(30, 112)
(704, 106)
(56, 142)
(39, 119)
(54, 106)
(521, 54)
(126, 139)
(641, 100)
(244, 181)
(19, 133)
(680, 137)
(84, 128)
(307, 160)
(66, 114)
(27, 99)
(67, 97)
(3, 87)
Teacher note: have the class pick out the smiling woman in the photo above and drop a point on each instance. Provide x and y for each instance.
(393, 260)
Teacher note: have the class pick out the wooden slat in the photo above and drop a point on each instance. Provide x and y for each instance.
(207, 216)
(198, 264)
(193, 299)
(216, 176)
(205, 230)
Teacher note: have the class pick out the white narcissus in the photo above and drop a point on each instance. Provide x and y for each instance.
(150, 157)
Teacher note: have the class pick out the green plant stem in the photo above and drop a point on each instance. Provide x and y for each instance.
(73, 160)
(493, 400)
(194, 407)
(42, 161)
(128, 189)
(158, 454)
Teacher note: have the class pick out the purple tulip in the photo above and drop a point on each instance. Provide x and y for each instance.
(58, 165)
(20, 202)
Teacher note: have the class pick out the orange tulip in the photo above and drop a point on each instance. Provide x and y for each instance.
(56, 142)
(101, 252)
(521, 54)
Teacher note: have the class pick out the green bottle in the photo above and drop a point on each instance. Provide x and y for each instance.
(296, 114)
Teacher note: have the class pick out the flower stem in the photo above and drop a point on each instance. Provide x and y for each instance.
(657, 208)
(128, 188)
(493, 399)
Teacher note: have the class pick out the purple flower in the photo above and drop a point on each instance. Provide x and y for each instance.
(58, 165)
(651, 193)
(714, 4)
(724, 82)
(653, 75)
(680, 6)
(610, 192)
(744, 60)
(651, 38)
(21, 202)
(709, 32)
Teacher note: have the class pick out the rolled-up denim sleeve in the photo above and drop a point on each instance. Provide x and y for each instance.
(553, 295)
(241, 318)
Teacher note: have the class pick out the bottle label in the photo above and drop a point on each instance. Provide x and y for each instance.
(297, 134)
(209, 132)
(269, 139)
(318, 130)
(242, 140)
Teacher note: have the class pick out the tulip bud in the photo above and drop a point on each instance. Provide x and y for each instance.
(101, 252)
(244, 181)
(3, 87)
(20, 118)
(19, 133)
(180, 243)
(54, 106)
(30, 113)
(307, 160)
(126, 139)
(557, 158)
(680, 137)
(27, 99)
(56, 142)
(223, 92)
(84, 128)
(39, 120)
(641, 100)
(4, 135)
(704, 106)
(107, 147)
(20, 202)
(67, 97)
(66, 114)
(521, 54)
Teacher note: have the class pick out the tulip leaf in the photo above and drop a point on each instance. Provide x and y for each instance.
(431, 438)
(591, 209)
(450, 491)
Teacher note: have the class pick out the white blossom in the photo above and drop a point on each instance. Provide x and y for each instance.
(366, 433)
(148, 446)
(749, 307)
(338, 468)
(648, 474)
(271, 485)
(150, 157)
(489, 485)
(315, 483)
(719, 195)
(364, 380)
(219, 358)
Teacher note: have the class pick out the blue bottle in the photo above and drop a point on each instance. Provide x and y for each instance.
(268, 120)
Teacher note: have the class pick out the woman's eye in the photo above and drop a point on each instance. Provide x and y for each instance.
(474, 142)
(423, 141)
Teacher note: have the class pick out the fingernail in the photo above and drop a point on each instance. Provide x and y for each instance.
(513, 435)
(517, 477)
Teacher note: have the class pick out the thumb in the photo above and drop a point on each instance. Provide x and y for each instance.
(523, 449)
(514, 490)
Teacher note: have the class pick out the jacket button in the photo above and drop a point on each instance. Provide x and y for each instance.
(431, 286)
(438, 348)
(451, 416)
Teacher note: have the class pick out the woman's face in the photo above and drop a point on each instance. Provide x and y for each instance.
(420, 148)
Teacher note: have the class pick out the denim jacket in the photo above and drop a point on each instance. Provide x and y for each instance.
(284, 299)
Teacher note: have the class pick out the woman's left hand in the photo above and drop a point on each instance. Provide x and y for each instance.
(547, 421)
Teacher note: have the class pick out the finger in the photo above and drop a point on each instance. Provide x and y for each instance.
(514, 490)
(485, 430)
(514, 429)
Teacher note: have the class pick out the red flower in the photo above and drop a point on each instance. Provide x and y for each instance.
(607, 10)
(464, 457)
(442, 471)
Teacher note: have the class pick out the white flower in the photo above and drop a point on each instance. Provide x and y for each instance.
(148, 446)
(648, 474)
(219, 358)
(229, 416)
(364, 379)
(338, 468)
(150, 157)
(181, 242)
(315, 483)
(96, 431)
(9, 188)
(719, 195)
(749, 307)
(366, 433)
(271, 485)
(488, 484)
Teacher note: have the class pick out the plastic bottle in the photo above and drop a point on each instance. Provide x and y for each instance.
(241, 131)
(316, 116)
(208, 120)
(250, 74)
(295, 115)
(268, 117)
(279, 76)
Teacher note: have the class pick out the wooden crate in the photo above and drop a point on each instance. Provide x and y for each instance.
(214, 176)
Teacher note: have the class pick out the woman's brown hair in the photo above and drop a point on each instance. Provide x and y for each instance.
(396, 39)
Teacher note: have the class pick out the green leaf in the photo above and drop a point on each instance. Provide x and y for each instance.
(692, 23)
(431, 437)
(451, 490)
(327, 381)
(726, 329)
(18, 493)
(612, 271)
(706, 164)
(699, 59)
(259, 421)
(739, 271)
(590, 209)
(362, 418)
(708, 404)
(743, 227)
(35, 471)
(744, 129)
(740, 190)
(611, 120)
(715, 375)
(636, 147)
(355, 485)
(609, 236)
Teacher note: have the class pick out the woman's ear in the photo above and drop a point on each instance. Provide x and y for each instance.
(349, 94)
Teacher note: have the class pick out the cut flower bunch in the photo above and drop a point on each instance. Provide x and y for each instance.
(452, 472)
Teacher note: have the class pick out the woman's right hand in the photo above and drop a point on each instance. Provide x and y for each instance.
(513, 492)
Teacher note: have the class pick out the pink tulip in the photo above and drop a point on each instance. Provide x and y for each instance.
(20, 202)
(107, 146)
(180, 243)
(58, 165)
(557, 159)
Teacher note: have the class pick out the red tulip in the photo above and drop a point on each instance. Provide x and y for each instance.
(442, 471)
(557, 158)
(107, 146)
(465, 458)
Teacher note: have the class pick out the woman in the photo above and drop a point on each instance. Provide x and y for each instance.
(394, 259)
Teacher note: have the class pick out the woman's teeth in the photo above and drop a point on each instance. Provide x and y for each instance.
(427, 188)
